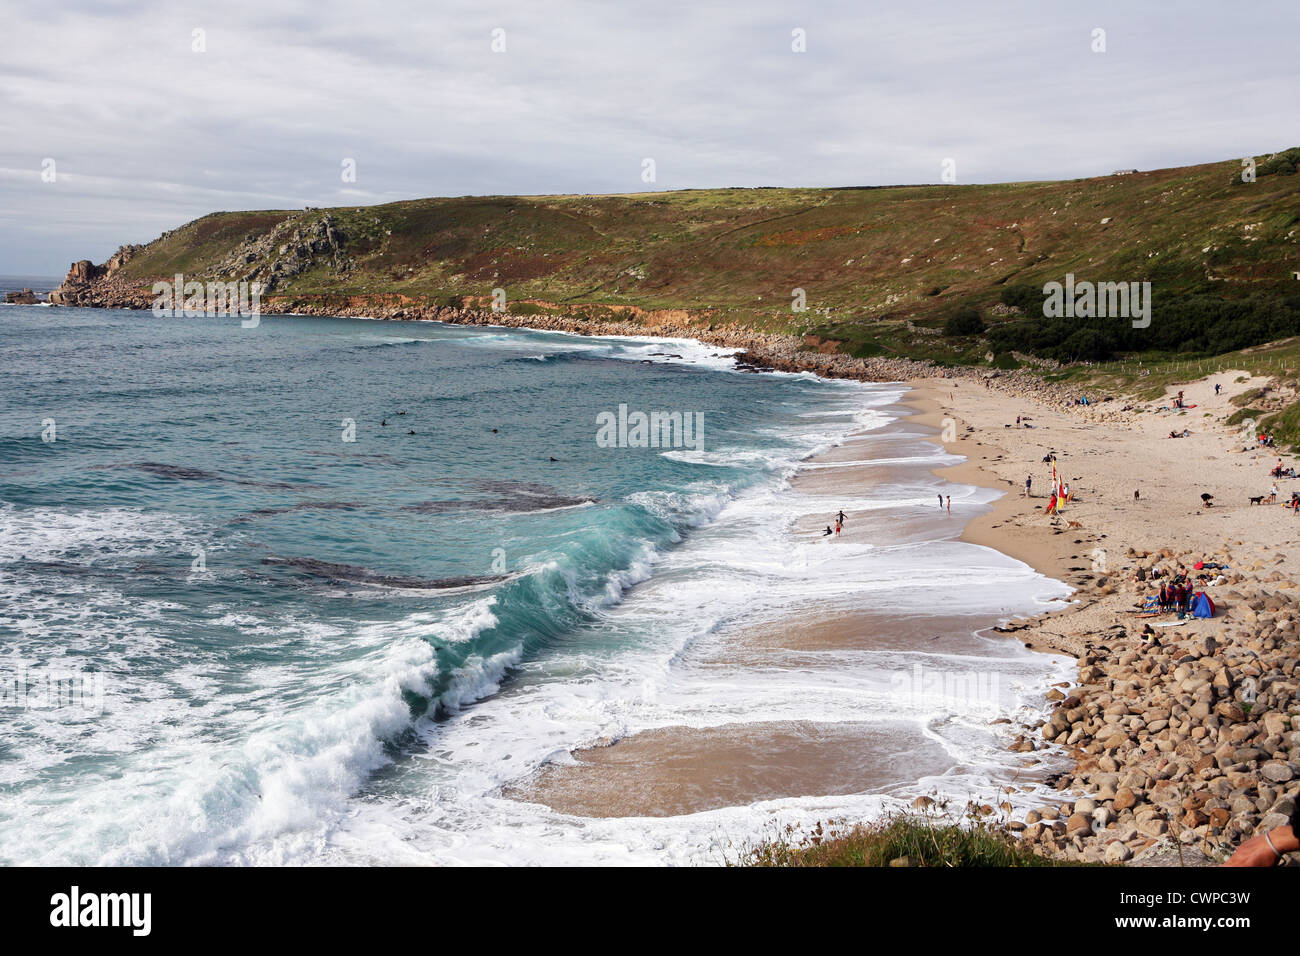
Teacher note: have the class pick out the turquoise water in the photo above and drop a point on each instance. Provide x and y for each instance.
(285, 622)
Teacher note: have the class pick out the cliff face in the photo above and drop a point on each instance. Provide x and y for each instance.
(87, 284)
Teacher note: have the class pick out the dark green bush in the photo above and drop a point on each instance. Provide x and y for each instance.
(1186, 325)
(965, 321)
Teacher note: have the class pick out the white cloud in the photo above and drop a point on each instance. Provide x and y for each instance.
(149, 134)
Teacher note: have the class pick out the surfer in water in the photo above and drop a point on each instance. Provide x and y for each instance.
(827, 532)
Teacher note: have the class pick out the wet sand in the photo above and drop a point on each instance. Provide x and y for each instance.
(678, 769)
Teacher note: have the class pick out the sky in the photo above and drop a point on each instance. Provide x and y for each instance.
(119, 121)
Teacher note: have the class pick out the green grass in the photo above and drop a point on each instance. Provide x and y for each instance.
(921, 840)
(1246, 397)
(882, 268)
(1284, 426)
(1244, 414)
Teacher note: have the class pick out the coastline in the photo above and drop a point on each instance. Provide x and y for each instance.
(1179, 742)
(760, 351)
(687, 768)
(1183, 733)
(1045, 556)
(1166, 747)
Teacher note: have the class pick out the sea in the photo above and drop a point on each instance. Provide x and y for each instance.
(326, 590)
(41, 285)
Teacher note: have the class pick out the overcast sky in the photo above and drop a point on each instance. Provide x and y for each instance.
(146, 133)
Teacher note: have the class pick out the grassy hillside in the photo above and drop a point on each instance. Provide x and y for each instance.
(882, 268)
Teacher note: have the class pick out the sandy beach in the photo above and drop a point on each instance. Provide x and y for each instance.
(1183, 730)
(1107, 454)
(1157, 750)
(684, 769)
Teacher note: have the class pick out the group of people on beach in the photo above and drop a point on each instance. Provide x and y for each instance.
(1175, 597)
(839, 524)
(944, 502)
(1177, 590)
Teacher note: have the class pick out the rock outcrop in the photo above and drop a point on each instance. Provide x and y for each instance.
(293, 247)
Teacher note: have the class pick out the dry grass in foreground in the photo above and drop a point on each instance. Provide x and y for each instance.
(901, 840)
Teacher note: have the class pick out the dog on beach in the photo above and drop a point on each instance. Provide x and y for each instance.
(1257, 500)
(1072, 524)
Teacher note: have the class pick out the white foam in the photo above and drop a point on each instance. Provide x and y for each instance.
(743, 567)
(46, 534)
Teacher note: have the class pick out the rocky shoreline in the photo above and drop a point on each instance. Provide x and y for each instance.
(1192, 741)
(1183, 735)
(91, 286)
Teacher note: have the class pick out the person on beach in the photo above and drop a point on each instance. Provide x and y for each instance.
(827, 532)
(840, 517)
(941, 501)
(1029, 481)
(837, 527)
(1217, 386)
(950, 504)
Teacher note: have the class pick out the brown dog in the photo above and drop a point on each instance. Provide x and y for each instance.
(1072, 524)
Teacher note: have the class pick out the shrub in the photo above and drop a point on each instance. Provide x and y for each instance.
(1005, 361)
(922, 841)
(965, 321)
(1027, 298)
